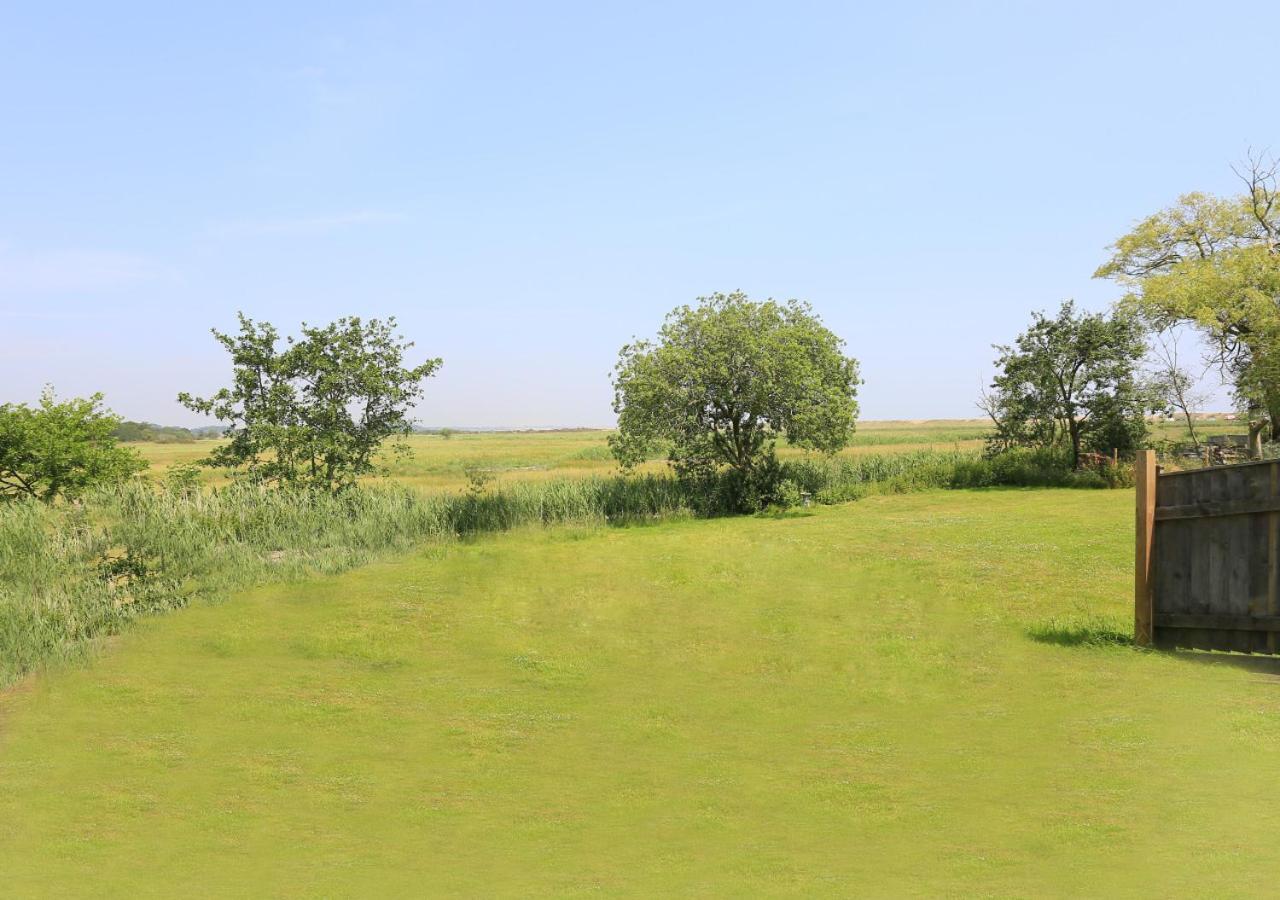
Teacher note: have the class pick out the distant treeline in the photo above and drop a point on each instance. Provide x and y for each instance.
(163, 434)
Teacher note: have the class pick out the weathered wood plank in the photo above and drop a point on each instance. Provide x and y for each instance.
(1215, 562)
(1237, 533)
(1192, 473)
(1217, 621)
(1170, 560)
(1218, 508)
(1218, 542)
(1257, 482)
(1273, 556)
(1201, 557)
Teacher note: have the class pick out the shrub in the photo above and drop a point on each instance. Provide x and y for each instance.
(61, 448)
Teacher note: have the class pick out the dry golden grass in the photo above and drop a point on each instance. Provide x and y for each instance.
(439, 463)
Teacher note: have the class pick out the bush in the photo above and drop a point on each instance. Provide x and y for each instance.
(1046, 467)
(61, 449)
(839, 479)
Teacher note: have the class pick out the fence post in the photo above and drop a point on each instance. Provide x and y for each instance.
(1145, 474)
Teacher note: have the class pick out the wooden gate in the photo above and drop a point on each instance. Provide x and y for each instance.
(1208, 557)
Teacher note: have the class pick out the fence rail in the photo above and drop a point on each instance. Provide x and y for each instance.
(1207, 569)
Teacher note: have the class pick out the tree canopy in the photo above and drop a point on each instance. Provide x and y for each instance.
(1214, 262)
(60, 448)
(315, 411)
(727, 377)
(1071, 379)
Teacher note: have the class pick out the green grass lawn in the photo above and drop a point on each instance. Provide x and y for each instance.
(910, 695)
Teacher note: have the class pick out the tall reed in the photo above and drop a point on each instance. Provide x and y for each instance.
(69, 573)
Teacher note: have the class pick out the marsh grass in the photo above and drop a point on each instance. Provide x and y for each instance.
(72, 573)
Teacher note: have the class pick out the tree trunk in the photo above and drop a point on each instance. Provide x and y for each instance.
(1256, 429)
(1074, 428)
(1267, 412)
(1191, 427)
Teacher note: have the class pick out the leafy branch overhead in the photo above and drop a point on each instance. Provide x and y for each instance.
(1214, 263)
(315, 411)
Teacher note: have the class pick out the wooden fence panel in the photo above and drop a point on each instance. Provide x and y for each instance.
(1214, 557)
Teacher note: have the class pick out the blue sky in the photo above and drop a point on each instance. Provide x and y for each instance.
(527, 186)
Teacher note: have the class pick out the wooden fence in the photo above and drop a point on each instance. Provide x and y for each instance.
(1208, 557)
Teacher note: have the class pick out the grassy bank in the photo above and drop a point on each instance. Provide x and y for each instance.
(72, 573)
(908, 696)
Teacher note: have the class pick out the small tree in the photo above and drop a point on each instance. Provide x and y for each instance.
(60, 449)
(314, 412)
(725, 379)
(1172, 385)
(1071, 379)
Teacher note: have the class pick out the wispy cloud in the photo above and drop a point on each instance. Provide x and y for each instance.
(303, 226)
(65, 271)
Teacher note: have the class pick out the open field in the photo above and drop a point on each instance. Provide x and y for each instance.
(439, 463)
(919, 694)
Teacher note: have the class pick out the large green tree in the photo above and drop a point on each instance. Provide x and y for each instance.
(61, 448)
(726, 378)
(1071, 379)
(315, 410)
(1214, 262)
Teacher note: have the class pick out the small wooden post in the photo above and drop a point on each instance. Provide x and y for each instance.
(1145, 473)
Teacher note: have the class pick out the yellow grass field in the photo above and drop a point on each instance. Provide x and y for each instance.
(441, 463)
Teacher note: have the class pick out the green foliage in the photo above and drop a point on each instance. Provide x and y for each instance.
(183, 478)
(60, 448)
(1071, 379)
(1037, 467)
(1214, 263)
(315, 412)
(724, 380)
(842, 479)
(839, 479)
(136, 432)
(478, 478)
